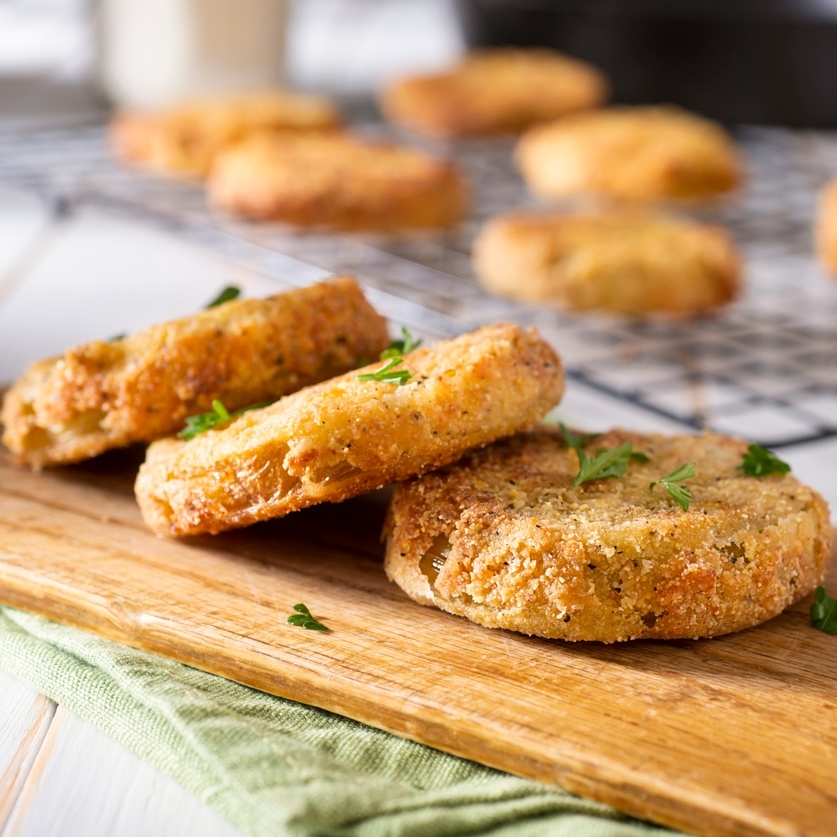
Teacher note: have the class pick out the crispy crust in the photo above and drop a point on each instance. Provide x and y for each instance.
(638, 153)
(102, 395)
(347, 436)
(627, 262)
(337, 181)
(185, 139)
(494, 92)
(825, 232)
(503, 539)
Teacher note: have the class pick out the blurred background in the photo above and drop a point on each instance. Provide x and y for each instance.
(756, 61)
(66, 59)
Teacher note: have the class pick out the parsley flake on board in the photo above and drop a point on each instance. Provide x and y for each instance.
(195, 425)
(760, 462)
(824, 612)
(678, 492)
(303, 619)
(230, 292)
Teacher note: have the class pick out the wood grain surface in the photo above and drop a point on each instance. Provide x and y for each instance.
(730, 736)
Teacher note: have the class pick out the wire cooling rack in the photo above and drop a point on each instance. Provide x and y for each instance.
(765, 368)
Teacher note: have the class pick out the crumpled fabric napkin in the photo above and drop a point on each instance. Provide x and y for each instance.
(275, 767)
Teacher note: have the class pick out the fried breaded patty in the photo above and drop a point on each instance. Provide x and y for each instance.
(502, 538)
(494, 91)
(102, 395)
(338, 181)
(186, 138)
(347, 435)
(630, 153)
(825, 232)
(633, 263)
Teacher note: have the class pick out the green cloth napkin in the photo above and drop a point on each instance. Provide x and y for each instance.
(275, 767)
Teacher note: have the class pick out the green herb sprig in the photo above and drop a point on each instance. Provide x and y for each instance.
(230, 292)
(824, 612)
(303, 619)
(678, 492)
(395, 355)
(760, 462)
(575, 441)
(388, 373)
(195, 425)
(608, 462)
(399, 348)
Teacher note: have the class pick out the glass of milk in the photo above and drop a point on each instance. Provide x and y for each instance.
(155, 52)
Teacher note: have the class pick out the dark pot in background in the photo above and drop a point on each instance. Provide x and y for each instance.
(759, 61)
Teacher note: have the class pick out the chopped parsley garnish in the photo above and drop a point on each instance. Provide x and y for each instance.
(230, 292)
(388, 373)
(303, 619)
(760, 462)
(395, 355)
(195, 425)
(824, 612)
(399, 348)
(575, 441)
(679, 492)
(608, 462)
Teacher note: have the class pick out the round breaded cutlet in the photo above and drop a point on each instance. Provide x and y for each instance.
(494, 92)
(185, 139)
(336, 181)
(632, 154)
(107, 394)
(504, 539)
(825, 232)
(349, 435)
(628, 262)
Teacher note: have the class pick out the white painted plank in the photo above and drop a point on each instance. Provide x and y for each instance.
(85, 783)
(25, 717)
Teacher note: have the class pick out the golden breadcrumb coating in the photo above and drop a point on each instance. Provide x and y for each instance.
(186, 138)
(336, 180)
(636, 153)
(102, 395)
(502, 538)
(346, 436)
(825, 232)
(633, 263)
(494, 92)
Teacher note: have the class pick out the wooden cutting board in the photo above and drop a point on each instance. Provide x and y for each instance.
(731, 736)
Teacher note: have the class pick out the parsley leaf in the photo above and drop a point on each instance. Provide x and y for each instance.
(759, 462)
(824, 612)
(394, 354)
(679, 492)
(303, 619)
(401, 347)
(388, 374)
(230, 292)
(608, 462)
(195, 425)
(575, 441)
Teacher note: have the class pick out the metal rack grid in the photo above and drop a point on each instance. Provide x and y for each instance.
(765, 368)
